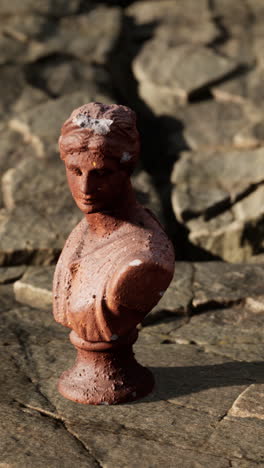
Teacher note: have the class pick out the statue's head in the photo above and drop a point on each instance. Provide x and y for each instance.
(100, 147)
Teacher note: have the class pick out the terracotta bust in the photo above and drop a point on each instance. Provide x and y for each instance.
(116, 263)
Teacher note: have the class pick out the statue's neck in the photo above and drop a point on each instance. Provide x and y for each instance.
(104, 223)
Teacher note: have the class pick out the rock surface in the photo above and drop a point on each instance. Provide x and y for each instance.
(35, 287)
(205, 407)
(203, 133)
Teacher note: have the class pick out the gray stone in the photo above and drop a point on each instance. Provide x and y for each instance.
(178, 70)
(210, 125)
(235, 16)
(207, 181)
(223, 329)
(26, 236)
(30, 439)
(38, 37)
(174, 426)
(13, 149)
(49, 7)
(18, 95)
(250, 403)
(41, 125)
(102, 23)
(40, 212)
(147, 194)
(11, 274)
(178, 297)
(222, 284)
(174, 20)
(7, 298)
(227, 439)
(148, 11)
(23, 41)
(234, 235)
(61, 76)
(35, 287)
(246, 86)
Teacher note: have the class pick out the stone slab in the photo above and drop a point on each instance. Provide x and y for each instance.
(172, 20)
(180, 70)
(227, 439)
(206, 182)
(210, 124)
(235, 235)
(52, 8)
(41, 125)
(11, 274)
(195, 388)
(250, 403)
(34, 288)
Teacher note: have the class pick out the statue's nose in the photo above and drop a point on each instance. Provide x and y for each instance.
(88, 184)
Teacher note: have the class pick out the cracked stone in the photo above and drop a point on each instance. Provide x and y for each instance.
(147, 11)
(24, 41)
(103, 24)
(49, 7)
(246, 86)
(250, 403)
(141, 418)
(18, 95)
(38, 37)
(125, 449)
(28, 237)
(178, 70)
(227, 440)
(147, 194)
(205, 182)
(31, 439)
(40, 126)
(210, 124)
(11, 274)
(12, 150)
(193, 389)
(174, 20)
(230, 330)
(7, 299)
(34, 233)
(235, 17)
(35, 287)
(178, 296)
(235, 235)
(60, 76)
(221, 283)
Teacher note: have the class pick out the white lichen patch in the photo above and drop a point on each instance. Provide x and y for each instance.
(161, 293)
(99, 126)
(104, 403)
(135, 262)
(125, 157)
(114, 337)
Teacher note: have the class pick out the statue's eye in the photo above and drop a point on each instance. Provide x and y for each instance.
(102, 172)
(75, 170)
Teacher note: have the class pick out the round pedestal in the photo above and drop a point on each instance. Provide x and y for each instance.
(109, 376)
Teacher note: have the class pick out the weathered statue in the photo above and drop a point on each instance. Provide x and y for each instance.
(116, 263)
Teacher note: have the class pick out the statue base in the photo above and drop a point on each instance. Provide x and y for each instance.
(105, 373)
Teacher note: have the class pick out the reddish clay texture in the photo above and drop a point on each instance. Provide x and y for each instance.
(115, 265)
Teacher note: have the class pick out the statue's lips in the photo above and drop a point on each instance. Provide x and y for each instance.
(88, 200)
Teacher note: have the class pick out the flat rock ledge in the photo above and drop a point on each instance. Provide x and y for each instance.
(207, 406)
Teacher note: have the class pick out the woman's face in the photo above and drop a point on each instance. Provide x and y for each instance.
(96, 183)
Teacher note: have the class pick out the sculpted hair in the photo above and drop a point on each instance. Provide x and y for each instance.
(109, 129)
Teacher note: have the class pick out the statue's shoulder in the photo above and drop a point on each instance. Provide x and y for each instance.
(151, 243)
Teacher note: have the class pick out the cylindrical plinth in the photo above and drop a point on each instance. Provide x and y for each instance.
(106, 376)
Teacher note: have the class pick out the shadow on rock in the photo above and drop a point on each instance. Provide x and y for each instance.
(173, 382)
